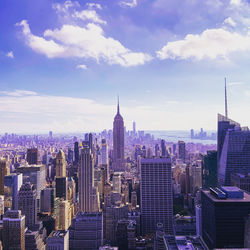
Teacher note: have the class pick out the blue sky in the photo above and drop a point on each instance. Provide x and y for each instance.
(62, 63)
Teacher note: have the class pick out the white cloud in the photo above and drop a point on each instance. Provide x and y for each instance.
(18, 92)
(236, 2)
(81, 66)
(131, 4)
(230, 22)
(210, 44)
(10, 54)
(89, 15)
(94, 5)
(82, 42)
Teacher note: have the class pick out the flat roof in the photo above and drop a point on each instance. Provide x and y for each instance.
(212, 197)
(156, 160)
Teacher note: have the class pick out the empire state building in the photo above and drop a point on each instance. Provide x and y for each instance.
(118, 142)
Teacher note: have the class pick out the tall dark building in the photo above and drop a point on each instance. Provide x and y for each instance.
(118, 142)
(224, 211)
(27, 203)
(32, 156)
(209, 169)
(61, 187)
(224, 124)
(182, 150)
(235, 155)
(156, 195)
(163, 149)
(76, 152)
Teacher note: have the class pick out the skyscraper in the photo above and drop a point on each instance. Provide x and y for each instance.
(163, 149)
(134, 128)
(86, 231)
(13, 230)
(118, 142)
(86, 180)
(76, 152)
(60, 164)
(104, 152)
(32, 156)
(209, 169)
(182, 150)
(235, 155)
(4, 170)
(156, 195)
(27, 203)
(224, 211)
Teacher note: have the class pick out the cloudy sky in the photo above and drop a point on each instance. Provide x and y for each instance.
(62, 63)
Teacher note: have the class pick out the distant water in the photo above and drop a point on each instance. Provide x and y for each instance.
(181, 135)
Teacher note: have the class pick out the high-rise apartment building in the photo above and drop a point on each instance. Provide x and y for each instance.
(27, 203)
(224, 211)
(32, 156)
(86, 180)
(118, 142)
(13, 230)
(4, 170)
(156, 195)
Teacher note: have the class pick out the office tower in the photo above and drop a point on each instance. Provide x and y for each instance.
(192, 134)
(111, 215)
(182, 150)
(125, 234)
(60, 164)
(4, 170)
(27, 204)
(224, 124)
(163, 149)
(117, 183)
(13, 230)
(47, 200)
(134, 128)
(195, 178)
(91, 143)
(32, 156)
(36, 175)
(86, 231)
(241, 181)
(209, 169)
(58, 240)
(61, 187)
(156, 195)
(63, 214)
(70, 155)
(34, 241)
(223, 217)
(86, 180)
(76, 152)
(118, 142)
(235, 155)
(104, 152)
(13, 183)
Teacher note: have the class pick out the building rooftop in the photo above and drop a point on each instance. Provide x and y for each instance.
(227, 194)
(156, 160)
(58, 233)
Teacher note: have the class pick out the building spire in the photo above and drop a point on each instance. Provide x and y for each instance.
(226, 114)
(118, 105)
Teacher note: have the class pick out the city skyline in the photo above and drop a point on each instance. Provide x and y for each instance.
(48, 81)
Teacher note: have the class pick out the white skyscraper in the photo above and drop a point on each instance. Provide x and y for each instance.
(104, 152)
